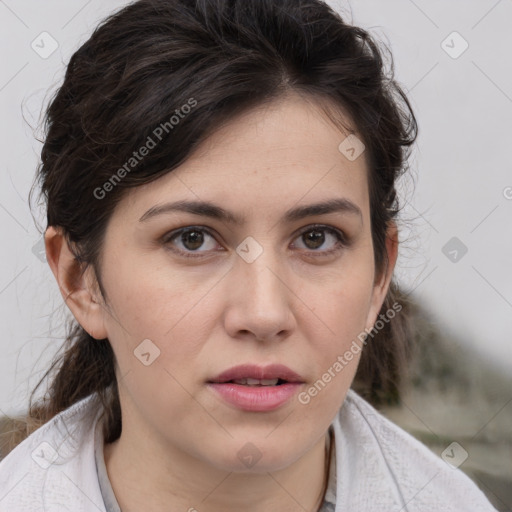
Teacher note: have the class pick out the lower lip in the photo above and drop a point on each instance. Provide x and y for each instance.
(256, 398)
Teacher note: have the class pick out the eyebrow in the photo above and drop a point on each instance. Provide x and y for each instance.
(208, 209)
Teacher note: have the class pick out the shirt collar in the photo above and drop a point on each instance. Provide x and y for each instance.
(329, 503)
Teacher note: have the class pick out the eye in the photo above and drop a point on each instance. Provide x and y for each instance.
(315, 236)
(191, 239)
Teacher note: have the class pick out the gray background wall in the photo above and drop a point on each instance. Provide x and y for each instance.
(460, 192)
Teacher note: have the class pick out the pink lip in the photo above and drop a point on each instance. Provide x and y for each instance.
(258, 398)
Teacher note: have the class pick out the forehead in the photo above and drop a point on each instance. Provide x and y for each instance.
(271, 157)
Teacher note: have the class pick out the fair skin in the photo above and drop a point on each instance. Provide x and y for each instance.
(295, 304)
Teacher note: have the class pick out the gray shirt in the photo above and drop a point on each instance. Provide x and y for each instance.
(379, 467)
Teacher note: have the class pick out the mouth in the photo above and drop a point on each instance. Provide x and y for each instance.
(253, 375)
(256, 388)
(256, 382)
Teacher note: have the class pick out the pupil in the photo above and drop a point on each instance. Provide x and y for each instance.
(310, 236)
(192, 239)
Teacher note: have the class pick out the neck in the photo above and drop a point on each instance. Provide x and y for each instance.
(145, 477)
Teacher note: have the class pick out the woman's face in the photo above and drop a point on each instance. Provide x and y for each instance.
(276, 288)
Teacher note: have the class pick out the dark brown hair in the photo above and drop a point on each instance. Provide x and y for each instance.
(144, 63)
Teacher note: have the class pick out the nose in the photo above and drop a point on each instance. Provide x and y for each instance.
(260, 301)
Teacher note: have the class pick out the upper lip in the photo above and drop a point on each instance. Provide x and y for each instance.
(251, 371)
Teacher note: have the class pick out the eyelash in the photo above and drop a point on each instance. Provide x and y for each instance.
(339, 235)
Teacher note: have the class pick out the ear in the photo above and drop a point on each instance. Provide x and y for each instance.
(79, 289)
(382, 282)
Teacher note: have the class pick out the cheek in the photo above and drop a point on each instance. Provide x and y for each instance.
(156, 337)
(170, 308)
(340, 305)
(338, 343)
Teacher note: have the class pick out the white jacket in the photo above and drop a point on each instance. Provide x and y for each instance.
(379, 467)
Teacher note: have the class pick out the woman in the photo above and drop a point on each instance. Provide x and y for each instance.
(221, 205)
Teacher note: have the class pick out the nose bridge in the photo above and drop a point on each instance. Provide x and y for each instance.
(262, 300)
(258, 277)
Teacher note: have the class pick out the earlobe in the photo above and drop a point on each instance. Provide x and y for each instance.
(77, 287)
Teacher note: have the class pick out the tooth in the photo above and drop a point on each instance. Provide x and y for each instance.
(256, 382)
(269, 382)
